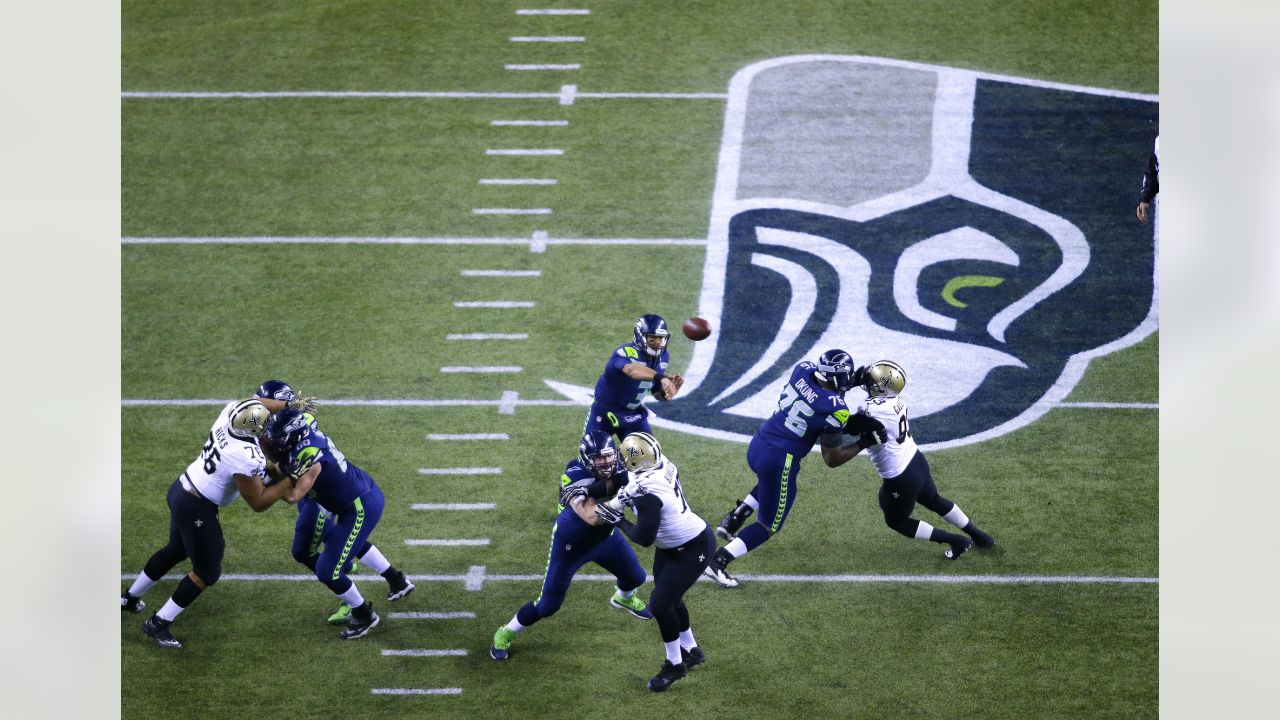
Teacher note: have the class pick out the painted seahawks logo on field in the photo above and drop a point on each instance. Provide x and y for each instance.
(974, 228)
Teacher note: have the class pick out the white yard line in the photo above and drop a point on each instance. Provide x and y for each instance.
(447, 542)
(552, 11)
(501, 273)
(482, 369)
(461, 471)
(416, 691)
(566, 66)
(510, 211)
(423, 653)
(453, 506)
(493, 304)
(518, 181)
(524, 151)
(529, 123)
(539, 237)
(548, 38)
(470, 436)
(507, 404)
(487, 336)
(461, 615)
(1110, 405)
(509, 399)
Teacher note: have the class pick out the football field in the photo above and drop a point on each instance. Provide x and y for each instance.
(441, 217)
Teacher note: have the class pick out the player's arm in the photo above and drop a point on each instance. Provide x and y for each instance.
(670, 384)
(585, 507)
(303, 482)
(299, 403)
(258, 496)
(644, 531)
(835, 451)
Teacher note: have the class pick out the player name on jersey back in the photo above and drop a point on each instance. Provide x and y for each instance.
(223, 457)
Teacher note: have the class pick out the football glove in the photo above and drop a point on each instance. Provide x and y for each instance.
(860, 375)
(569, 492)
(302, 404)
(608, 515)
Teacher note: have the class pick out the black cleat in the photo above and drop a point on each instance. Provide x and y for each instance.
(693, 657)
(363, 619)
(157, 629)
(958, 547)
(732, 522)
(129, 603)
(981, 540)
(667, 675)
(400, 586)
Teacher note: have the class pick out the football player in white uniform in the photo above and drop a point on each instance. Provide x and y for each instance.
(230, 465)
(683, 540)
(882, 428)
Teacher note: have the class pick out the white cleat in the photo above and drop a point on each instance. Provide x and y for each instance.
(722, 578)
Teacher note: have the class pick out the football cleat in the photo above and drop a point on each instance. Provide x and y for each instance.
(958, 548)
(129, 603)
(732, 521)
(693, 657)
(363, 619)
(720, 576)
(651, 335)
(502, 643)
(667, 675)
(981, 540)
(342, 616)
(400, 586)
(157, 629)
(633, 605)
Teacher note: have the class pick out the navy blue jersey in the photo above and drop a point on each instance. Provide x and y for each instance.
(340, 482)
(616, 391)
(574, 529)
(805, 411)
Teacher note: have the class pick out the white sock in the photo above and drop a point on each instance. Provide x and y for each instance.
(754, 503)
(924, 531)
(956, 517)
(686, 639)
(170, 610)
(625, 594)
(352, 597)
(141, 585)
(376, 561)
(736, 547)
(514, 625)
(673, 652)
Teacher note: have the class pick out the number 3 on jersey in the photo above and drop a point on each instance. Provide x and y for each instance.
(799, 410)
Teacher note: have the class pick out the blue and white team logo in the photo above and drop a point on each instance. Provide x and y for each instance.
(976, 229)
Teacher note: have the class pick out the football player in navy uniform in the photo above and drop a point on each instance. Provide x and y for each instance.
(230, 465)
(578, 538)
(810, 409)
(316, 468)
(683, 541)
(315, 527)
(882, 427)
(633, 370)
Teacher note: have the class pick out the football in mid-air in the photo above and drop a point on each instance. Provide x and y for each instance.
(695, 328)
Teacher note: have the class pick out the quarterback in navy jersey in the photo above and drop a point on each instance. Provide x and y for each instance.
(632, 371)
(578, 538)
(882, 427)
(811, 409)
(318, 470)
(315, 527)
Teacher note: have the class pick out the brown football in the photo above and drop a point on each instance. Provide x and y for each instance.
(695, 328)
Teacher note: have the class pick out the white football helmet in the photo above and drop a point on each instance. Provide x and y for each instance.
(248, 419)
(640, 451)
(885, 378)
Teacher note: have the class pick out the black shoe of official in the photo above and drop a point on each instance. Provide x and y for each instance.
(400, 586)
(363, 619)
(129, 603)
(958, 547)
(157, 629)
(667, 675)
(693, 657)
(981, 540)
(732, 522)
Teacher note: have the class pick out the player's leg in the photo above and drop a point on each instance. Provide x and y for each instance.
(563, 561)
(776, 485)
(733, 520)
(398, 585)
(949, 511)
(202, 541)
(160, 562)
(352, 528)
(691, 655)
(616, 556)
(897, 501)
(674, 572)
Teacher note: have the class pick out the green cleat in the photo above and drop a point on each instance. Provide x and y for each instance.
(502, 643)
(342, 617)
(633, 605)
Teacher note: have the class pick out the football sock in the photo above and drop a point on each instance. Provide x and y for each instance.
(752, 502)
(736, 548)
(924, 531)
(673, 652)
(515, 625)
(352, 597)
(686, 639)
(753, 536)
(956, 517)
(170, 610)
(942, 536)
(376, 560)
(141, 585)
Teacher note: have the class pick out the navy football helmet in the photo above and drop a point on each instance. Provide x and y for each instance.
(286, 431)
(651, 326)
(599, 455)
(835, 367)
(275, 390)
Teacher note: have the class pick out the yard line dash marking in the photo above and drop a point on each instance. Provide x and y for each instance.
(538, 242)
(474, 581)
(519, 181)
(487, 336)
(501, 273)
(447, 542)
(453, 506)
(416, 691)
(460, 615)
(552, 11)
(511, 211)
(1111, 405)
(470, 436)
(423, 653)
(549, 38)
(524, 151)
(529, 123)
(493, 304)
(568, 93)
(460, 471)
(566, 66)
(507, 405)
(482, 369)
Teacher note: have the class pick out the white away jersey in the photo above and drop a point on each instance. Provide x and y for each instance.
(678, 524)
(886, 419)
(223, 457)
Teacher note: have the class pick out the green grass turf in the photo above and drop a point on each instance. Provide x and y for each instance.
(1075, 493)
